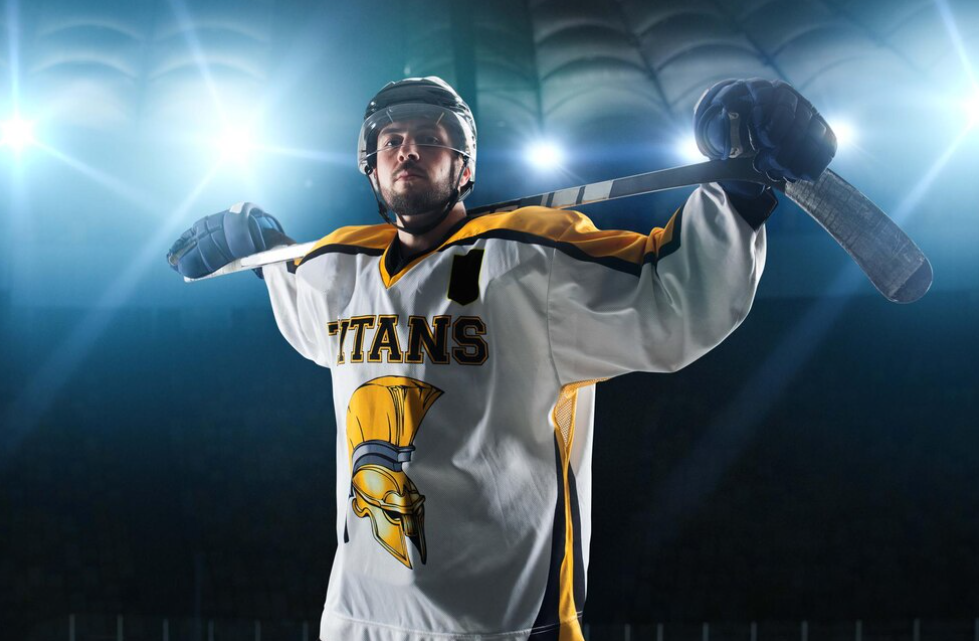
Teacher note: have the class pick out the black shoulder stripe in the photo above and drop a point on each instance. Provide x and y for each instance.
(674, 243)
(341, 249)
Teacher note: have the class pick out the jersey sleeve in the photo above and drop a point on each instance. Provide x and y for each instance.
(620, 301)
(294, 312)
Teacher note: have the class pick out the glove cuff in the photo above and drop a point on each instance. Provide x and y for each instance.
(755, 208)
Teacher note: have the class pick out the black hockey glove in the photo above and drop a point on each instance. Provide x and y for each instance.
(789, 138)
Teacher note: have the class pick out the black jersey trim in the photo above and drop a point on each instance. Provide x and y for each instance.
(579, 559)
(395, 262)
(674, 243)
(547, 624)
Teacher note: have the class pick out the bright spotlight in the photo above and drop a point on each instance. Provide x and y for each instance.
(235, 144)
(687, 150)
(846, 134)
(17, 133)
(545, 155)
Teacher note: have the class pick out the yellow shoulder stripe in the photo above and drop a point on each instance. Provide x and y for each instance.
(574, 228)
(612, 243)
(570, 231)
(537, 221)
(366, 236)
(374, 238)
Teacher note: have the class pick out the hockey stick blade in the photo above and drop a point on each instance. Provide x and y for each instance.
(889, 258)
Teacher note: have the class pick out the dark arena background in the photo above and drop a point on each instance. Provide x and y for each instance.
(166, 459)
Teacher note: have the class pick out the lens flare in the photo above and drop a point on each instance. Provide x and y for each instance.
(687, 150)
(16, 133)
(545, 155)
(235, 144)
(846, 133)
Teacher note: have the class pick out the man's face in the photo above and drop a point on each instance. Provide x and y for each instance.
(414, 176)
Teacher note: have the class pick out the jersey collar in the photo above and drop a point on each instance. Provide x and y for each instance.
(394, 264)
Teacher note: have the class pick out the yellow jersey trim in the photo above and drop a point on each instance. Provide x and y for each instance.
(571, 232)
(563, 417)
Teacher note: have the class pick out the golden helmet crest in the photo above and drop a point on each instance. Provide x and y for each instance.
(383, 418)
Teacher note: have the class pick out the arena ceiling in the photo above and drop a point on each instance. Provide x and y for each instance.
(118, 85)
(534, 64)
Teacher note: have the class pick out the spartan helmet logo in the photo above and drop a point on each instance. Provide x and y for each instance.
(383, 418)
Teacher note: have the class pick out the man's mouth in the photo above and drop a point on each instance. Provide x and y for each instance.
(408, 171)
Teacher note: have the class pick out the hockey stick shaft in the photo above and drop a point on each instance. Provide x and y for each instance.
(889, 258)
(673, 178)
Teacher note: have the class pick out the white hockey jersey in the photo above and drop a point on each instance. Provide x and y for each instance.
(464, 394)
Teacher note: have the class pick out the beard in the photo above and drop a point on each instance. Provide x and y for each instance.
(421, 200)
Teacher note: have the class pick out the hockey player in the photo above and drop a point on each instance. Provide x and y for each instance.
(464, 354)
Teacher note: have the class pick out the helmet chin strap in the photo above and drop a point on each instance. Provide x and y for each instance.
(416, 230)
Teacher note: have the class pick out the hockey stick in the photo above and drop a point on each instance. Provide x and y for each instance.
(891, 260)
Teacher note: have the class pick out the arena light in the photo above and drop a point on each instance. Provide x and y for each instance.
(16, 133)
(846, 133)
(236, 143)
(545, 155)
(687, 150)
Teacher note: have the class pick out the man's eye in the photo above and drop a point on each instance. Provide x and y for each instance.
(391, 142)
(432, 140)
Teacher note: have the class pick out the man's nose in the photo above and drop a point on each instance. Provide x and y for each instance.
(408, 149)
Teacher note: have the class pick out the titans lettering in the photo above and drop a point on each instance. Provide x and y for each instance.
(375, 339)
